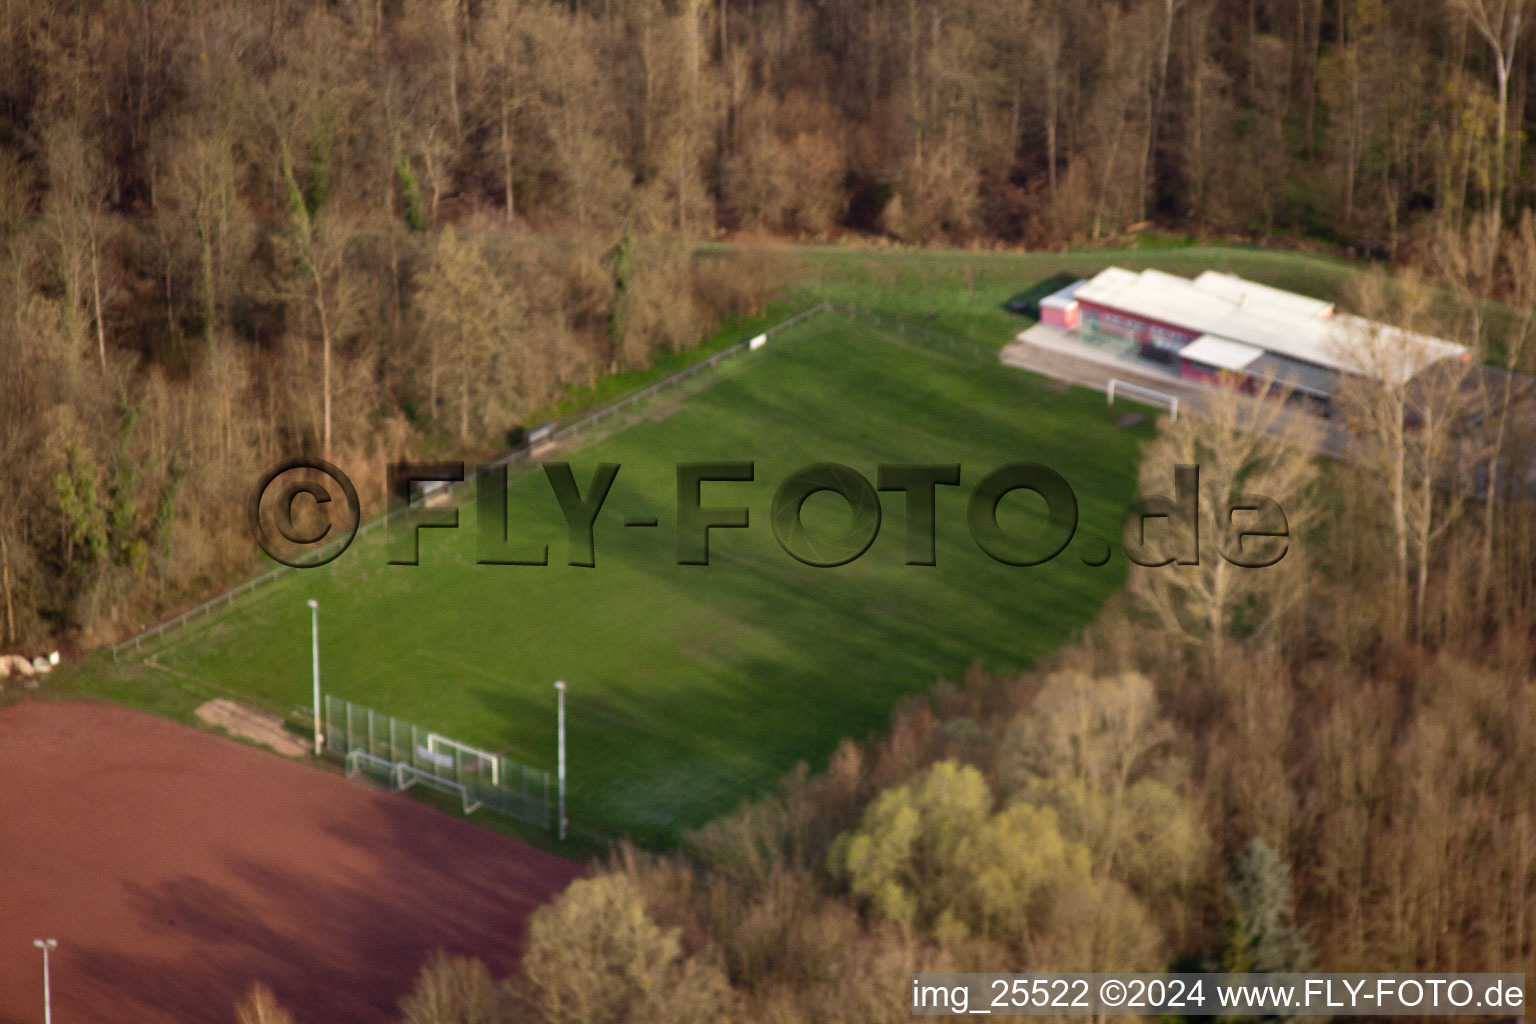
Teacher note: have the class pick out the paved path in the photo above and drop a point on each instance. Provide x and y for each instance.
(1057, 354)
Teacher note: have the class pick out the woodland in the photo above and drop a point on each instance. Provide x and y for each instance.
(234, 230)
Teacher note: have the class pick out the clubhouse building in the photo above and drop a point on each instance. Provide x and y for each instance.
(1220, 324)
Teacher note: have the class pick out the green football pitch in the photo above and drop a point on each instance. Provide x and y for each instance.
(692, 688)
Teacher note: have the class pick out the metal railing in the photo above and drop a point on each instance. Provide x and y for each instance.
(607, 412)
(522, 453)
(205, 608)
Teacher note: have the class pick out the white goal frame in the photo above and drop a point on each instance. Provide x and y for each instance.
(403, 776)
(436, 743)
(1147, 395)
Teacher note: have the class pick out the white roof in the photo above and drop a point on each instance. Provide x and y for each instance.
(1112, 277)
(1268, 318)
(1062, 299)
(1220, 353)
(1233, 287)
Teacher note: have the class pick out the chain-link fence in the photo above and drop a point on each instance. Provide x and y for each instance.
(403, 754)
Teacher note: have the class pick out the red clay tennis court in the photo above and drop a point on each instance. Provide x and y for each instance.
(176, 868)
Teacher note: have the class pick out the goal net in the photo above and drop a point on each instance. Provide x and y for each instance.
(404, 755)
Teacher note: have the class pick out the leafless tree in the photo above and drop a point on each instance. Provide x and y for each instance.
(77, 182)
(1406, 404)
(1502, 24)
(1243, 447)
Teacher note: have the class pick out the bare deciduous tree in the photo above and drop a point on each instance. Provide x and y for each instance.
(455, 990)
(1501, 24)
(1244, 446)
(470, 328)
(77, 181)
(1406, 418)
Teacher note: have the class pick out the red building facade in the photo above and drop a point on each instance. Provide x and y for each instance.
(1156, 340)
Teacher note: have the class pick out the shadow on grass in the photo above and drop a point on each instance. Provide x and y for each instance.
(1027, 301)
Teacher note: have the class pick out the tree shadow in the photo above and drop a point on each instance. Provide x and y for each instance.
(338, 931)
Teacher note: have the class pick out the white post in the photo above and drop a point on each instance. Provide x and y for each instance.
(314, 643)
(560, 699)
(45, 945)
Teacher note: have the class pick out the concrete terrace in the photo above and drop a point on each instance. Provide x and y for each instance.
(1064, 356)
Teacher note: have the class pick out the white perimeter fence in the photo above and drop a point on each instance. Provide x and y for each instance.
(537, 438)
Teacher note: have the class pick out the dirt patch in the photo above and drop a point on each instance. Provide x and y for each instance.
(252, 724)
(176, 867)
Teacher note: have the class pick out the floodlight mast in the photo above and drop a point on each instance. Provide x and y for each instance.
(46, 945)
(560, 698)
(314, 642)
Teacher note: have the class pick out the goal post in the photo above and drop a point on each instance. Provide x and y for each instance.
(1144, 394)
(402, 755)
(407, 776)
(475, 758)
(401, 775)
(360, 762)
